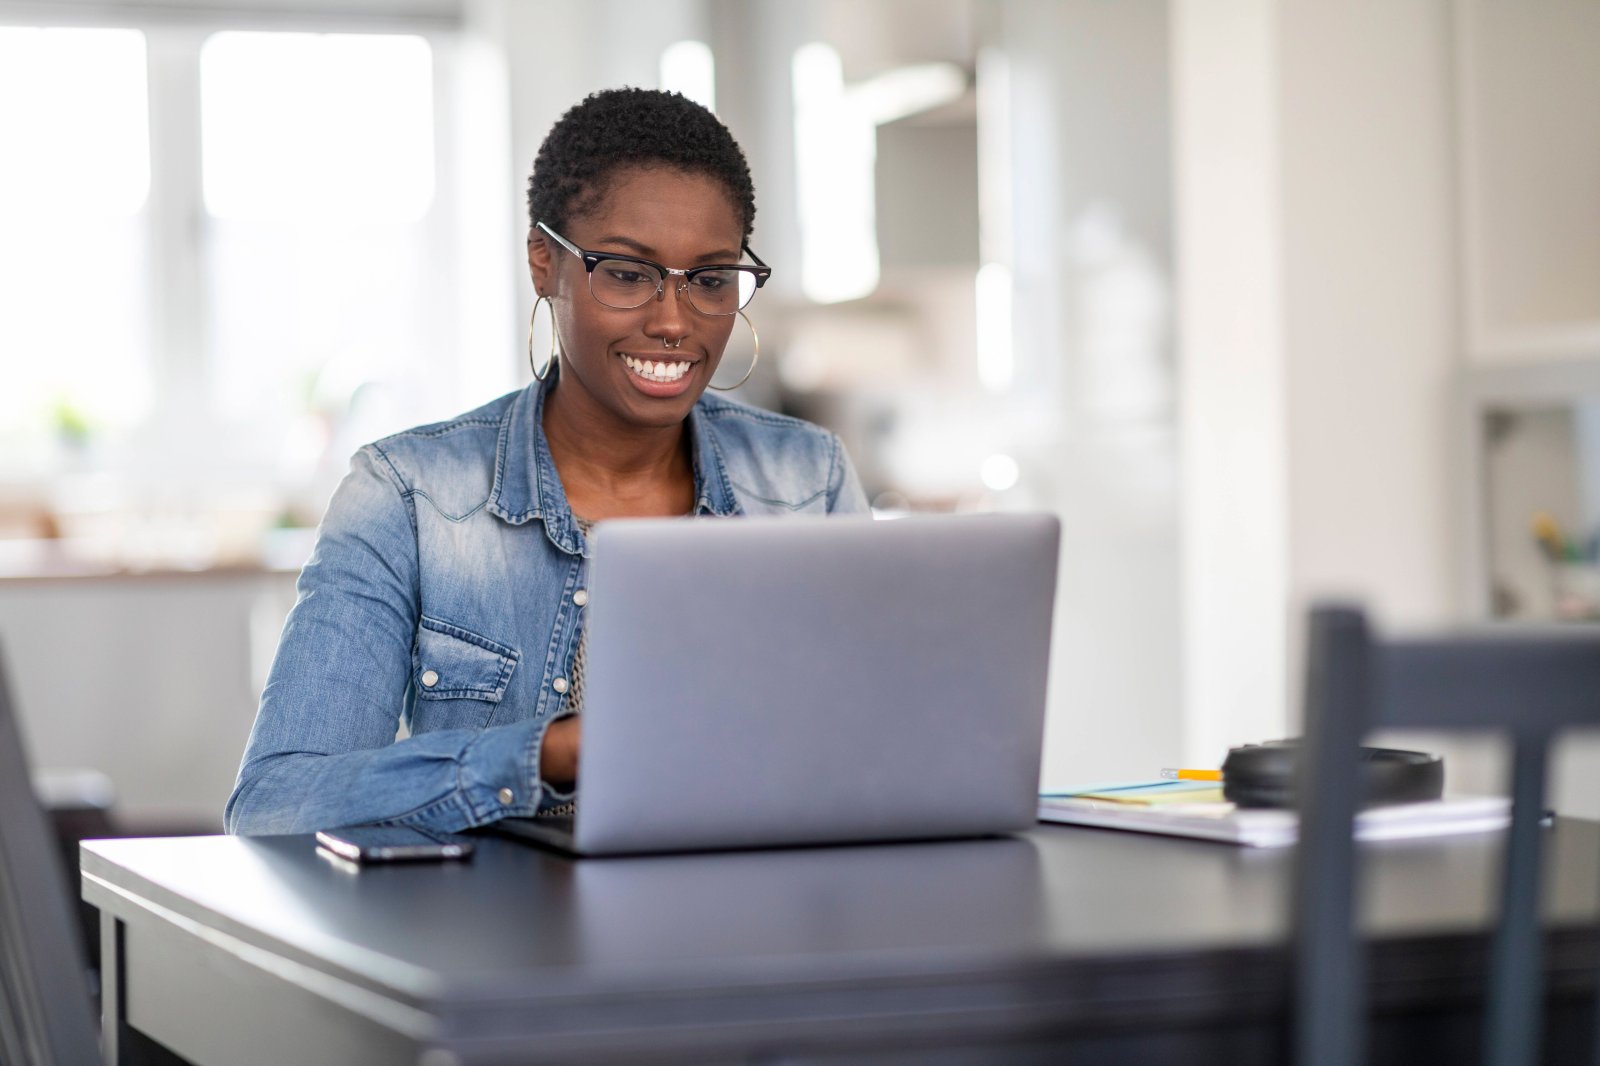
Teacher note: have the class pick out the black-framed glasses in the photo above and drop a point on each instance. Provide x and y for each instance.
(623, 282)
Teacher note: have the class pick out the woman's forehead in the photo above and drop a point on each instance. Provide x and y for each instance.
(662, 203)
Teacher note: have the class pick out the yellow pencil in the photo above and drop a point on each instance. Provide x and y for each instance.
(1169, 774)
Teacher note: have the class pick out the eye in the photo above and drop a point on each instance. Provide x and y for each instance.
(713, 280)
(622, 274)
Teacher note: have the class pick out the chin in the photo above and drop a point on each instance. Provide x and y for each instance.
(664, 413)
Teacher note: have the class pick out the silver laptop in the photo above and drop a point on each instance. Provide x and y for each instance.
(783, 681)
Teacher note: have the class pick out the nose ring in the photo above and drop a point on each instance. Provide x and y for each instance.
(664, 343)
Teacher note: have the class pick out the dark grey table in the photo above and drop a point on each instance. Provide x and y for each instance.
(1062, 945)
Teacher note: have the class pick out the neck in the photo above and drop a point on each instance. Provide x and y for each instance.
(611, 469)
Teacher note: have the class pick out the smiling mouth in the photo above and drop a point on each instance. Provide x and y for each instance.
(662, 371)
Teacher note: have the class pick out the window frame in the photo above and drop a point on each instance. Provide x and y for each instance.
(174, 216)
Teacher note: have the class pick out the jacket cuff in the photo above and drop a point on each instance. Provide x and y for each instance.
(500, 773)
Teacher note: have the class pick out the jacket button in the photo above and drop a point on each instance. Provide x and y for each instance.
(505, 796)
(429, 678)
(580, 597)
(559, 684)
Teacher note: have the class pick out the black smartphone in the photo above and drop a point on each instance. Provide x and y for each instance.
(391, 843)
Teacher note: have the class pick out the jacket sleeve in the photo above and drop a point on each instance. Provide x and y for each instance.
(322, 752)
(845, 494)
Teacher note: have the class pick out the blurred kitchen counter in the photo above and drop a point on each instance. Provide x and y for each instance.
(146, 670)
(61, 559)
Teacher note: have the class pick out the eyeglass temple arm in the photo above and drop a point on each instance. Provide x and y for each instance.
(559, 239)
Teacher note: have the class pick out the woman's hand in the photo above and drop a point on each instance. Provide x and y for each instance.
(558, 754)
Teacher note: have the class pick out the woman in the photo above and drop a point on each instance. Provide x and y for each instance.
(447, 588)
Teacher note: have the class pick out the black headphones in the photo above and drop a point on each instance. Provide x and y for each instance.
(1262, 775)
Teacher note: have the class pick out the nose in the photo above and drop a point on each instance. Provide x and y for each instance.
(669, 318)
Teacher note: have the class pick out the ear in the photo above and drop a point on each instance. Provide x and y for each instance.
(541, 263)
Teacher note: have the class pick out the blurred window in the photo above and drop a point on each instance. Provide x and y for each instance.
(346, 140)
(325, 275)
(248, 239)
(835, 146)
(74, 134)
(689, 68)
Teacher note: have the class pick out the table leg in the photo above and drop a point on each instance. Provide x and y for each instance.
(121, 1045)
(111, 1018)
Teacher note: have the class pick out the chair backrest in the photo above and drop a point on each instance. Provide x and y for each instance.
(1528, 683)
(45, 1012)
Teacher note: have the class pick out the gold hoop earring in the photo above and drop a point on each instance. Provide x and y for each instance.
(550, 361)
(755, 337)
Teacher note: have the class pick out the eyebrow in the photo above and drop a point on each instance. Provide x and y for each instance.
(644, 251)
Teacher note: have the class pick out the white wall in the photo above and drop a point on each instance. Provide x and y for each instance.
(1089, 246)
(1315, 178)
(1528, 110)
(1368, 248)
(1233, 429)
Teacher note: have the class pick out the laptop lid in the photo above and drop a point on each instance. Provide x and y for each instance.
(808, 680)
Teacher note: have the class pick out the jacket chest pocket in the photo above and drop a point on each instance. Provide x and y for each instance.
(451, 663)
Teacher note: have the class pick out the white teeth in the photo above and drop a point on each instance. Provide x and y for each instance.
(656, 370)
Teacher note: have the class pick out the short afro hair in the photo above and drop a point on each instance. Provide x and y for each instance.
(618, 128)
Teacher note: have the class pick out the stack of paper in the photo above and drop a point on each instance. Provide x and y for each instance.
(1197, 809)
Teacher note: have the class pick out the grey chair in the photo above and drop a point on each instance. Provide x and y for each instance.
(45, 1012)
(1526, 683)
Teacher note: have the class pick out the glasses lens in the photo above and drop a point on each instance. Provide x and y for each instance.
(721, 291)
(622, 284)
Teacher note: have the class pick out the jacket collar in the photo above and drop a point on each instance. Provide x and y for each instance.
(526, 485)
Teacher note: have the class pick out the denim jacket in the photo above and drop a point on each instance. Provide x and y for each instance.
(447, 591)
